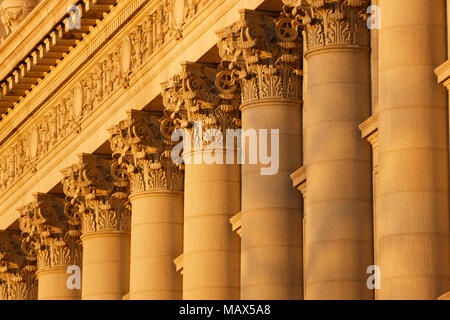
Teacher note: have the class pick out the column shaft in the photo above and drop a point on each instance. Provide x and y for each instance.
(52, 285)
(338, 206)
(156, 240)
(271, 208)
(413, 215)
(211, 249)
(106, 265)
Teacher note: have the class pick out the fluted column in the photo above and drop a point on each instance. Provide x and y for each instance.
(156, 195)
(413, 213)
(338, 167)
(212, 188)
(101, 206)
(17, 271)
(48, 238)
(265, 54)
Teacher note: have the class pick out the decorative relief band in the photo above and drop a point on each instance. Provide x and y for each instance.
(110, 74)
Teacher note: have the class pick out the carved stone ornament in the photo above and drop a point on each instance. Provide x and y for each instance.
(17, 271)
(112, 72)
(331, 22)
(13, 12)
(201, 93)
(264, 54)
(96, 195)
(47, 236)
(140, 153)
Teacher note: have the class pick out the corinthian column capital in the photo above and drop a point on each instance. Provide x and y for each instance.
(140, 149)
(46, 233)
(96, 195)
(17, 271)
(331, 23)
(203, 93)
(265, 53)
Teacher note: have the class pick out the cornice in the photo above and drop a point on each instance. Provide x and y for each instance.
(66, 68)
(69, 68)
(49, 50)
(32, 29)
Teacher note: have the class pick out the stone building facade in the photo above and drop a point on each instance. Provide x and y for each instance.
(353, 94)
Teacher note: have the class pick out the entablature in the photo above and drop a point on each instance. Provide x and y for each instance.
(48, 51)
(86, 93)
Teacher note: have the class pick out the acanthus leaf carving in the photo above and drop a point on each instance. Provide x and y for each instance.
(93, 200)
(264, 54)
(17, 271)
(47, 236)
(142, 156)
(330, 22)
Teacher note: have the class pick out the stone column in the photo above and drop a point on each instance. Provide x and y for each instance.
(413, 229)
(212, 187)
(48, 238)
(265, 54)
(17, 271)
(156, 195)
(338, 167)
(100, 205)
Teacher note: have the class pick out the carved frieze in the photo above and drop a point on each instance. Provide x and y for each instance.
(331, 22)
(111, 73)
(264, 54)
(17, 271)
(143, 156)
(13, 12)
(95, 198)
(47, 235)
